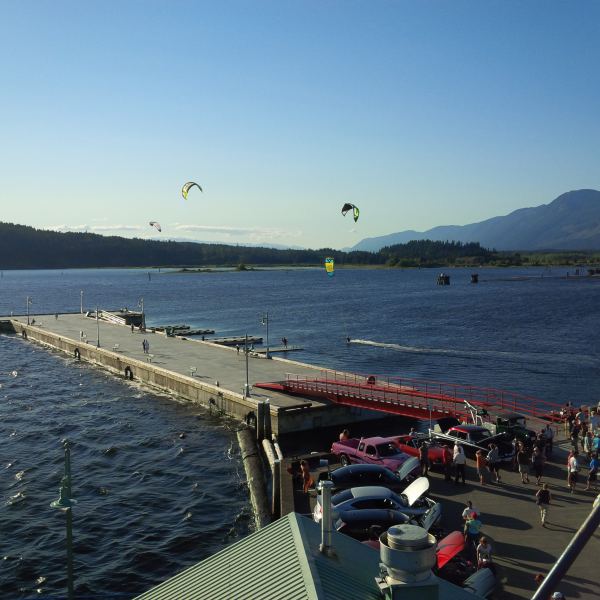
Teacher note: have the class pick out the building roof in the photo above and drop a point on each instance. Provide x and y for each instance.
(283, 561)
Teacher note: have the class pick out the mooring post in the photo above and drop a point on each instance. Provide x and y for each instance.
(267, 417)
(276, 508)
(260, 420)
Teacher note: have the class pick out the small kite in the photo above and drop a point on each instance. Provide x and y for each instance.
(187, 187)
(329, 267)
(354, 209)
(155, 224)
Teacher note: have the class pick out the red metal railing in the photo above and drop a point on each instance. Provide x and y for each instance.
(401, 395)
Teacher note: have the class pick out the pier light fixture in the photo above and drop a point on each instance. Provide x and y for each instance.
(247, 384)
(98, 327)
(141, 305)
(81, 301)
(29, 303)
(265, 321)
(65, 503)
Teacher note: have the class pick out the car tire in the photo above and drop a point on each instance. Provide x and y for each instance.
(344, 460)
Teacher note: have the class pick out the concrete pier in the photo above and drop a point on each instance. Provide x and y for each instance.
(199, 371)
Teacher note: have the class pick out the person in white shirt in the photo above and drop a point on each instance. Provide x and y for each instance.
(573, 470)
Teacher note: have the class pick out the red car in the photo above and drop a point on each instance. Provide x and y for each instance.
(410, 445)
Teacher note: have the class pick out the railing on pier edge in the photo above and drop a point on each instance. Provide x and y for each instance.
(401, 394)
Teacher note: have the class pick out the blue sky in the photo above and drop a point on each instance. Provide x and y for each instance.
(423, 113)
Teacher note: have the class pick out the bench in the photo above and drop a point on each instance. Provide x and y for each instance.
(116, 348)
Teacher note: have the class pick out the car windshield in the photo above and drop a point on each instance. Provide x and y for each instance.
(480, 435)
(387, 449)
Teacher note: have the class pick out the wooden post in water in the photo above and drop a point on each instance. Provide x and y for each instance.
(276, 506)
(260, 420)
(267, 419)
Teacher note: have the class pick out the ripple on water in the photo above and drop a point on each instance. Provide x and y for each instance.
(140, 517)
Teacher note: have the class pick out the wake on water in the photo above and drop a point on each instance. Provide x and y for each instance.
(499, 354)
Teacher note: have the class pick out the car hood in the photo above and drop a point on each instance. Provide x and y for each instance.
(415, 490)
(449, 547)
(408, 467)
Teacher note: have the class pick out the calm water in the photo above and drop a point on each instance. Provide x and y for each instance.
(150, 502)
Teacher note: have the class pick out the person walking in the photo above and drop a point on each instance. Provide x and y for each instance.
(537, 460)
(424, 458)
(132, 328)
(493, 460)
(237, 347)
(459, 460)
(549, 434)
(469, 511)
(542, 499)
(147, 347)
(481, 464)
(484, 553)
(573, 470)
(473, 527)
(447, 461)
(307, 480)
(593, 472)
(523, 460)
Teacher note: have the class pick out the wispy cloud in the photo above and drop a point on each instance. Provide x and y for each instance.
(224, 233)
(253, 233)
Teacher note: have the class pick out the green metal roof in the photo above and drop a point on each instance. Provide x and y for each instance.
(279, 561)
(283, 562)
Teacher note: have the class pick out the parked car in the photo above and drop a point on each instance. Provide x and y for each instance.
(369, 523)
(362, 474)
(410, 445)
(514, 425)
(411, 502)
(475, 437)
(375, 450)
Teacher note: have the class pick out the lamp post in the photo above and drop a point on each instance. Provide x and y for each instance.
(265, 321)
(247, 385)
(29, 302)
(98, 328)
(141, 304)
(81, 301)
(65, 503)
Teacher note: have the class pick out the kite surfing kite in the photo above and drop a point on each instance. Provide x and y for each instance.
(329, 267)
(355, 212)
(155, 224)
(187, 187)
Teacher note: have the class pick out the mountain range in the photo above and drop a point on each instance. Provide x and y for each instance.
(570, 222)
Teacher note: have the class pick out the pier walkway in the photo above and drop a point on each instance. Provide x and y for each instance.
(195, 363)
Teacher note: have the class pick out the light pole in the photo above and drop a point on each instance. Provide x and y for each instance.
(141, 304)
(98, 328)
(29, 302)
(81, 300)
(65, 502)
(247, 386)
(265, 321)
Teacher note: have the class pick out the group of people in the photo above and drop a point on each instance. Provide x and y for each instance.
(583, 429)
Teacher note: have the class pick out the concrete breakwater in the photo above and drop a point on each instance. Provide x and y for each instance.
(201, 372)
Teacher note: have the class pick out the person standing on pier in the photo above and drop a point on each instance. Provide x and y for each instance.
(459, 460)
(144, 345)
(424, 458)
(549, 440)
(537, 460)
(523, 461)
(593, 473)
(132, 328)
(542, 499)
(573, 470)
(447, 460)
(481, 463)
(493, 459)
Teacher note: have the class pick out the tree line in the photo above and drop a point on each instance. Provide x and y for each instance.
(24, 247)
